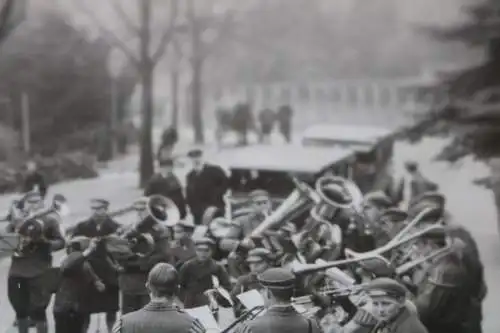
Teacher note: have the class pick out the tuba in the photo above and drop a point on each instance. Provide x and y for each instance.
(30, 229)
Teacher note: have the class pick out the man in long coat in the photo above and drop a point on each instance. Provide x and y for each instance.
(206, 186)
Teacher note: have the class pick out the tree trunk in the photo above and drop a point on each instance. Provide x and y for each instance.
(197, 103)
(146, 166)
(175, 98)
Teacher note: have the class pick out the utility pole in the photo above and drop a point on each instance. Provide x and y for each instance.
(25, 126)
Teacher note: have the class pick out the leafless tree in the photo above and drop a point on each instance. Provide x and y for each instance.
(143, 59)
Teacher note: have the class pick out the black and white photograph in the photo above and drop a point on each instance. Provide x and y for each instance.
(249, 166)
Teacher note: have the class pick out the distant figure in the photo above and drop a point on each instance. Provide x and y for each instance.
(266, 120)
(413, 184)
(206, 186)
(224, 120)
(34, 180)
(243, 122)
(167, 184)
(284, 117)
(168, 140)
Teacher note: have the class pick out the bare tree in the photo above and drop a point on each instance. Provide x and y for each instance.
(144, 61)
(207, 27)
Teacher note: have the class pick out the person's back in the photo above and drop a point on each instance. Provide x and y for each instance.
(159, 317)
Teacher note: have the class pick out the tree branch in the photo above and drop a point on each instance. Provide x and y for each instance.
(223, 29)
(109, 35)
(168, 34)
(124, 17)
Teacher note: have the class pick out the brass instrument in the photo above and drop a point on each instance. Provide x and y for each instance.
(248, 315)
(28, 230)
(358, 257)
(130, 241)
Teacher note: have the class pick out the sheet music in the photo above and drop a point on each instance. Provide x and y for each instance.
(251, 299)
(205, 316)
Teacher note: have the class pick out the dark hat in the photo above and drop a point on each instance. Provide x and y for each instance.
(431, 198)
(99, 203)
(163, 277)
(258, 194)
(277, 278)
(33, 196)
(377, 267)
(258, 255)
(386, 287)
(195, 153)
(379, 199)
(394, 215)
(411, 165)
(166, 162)
(204, 241)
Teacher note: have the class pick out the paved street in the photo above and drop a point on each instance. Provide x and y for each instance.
(470, 205)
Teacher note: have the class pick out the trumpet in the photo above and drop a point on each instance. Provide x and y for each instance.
(248, 315)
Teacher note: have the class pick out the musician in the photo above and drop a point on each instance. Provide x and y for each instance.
(284, 117)
(472, 262)
(76, 276)
(134, 269)
(160, 315)
(390, 223)
(430, 200)
(414, 183)
(167, 184)
(206, 186)
(446, 297)
(34, 180)
(389, 311)
(31, 277)
(280, 316)
(101, 225)
(258, 260)
(243, 227)
(195, 275)
(183, 247)
(374, 204)
(266, 120)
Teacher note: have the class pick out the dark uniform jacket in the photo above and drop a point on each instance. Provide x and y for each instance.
(196, 277)
(102, 264)
(280, 319)
(444, 300)
(133, 276)
(158, 317)
(169, 187)
(76, 277)
(204, 189)
(38, 261)
(35, 179)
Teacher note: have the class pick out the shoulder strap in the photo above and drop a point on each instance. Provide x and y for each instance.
(309, 326)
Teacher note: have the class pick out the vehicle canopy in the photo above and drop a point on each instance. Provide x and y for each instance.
(373, 147)
(269, 167)
(354, 137)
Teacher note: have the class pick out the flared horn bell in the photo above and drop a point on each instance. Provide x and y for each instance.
(339, 192)
(163, 210)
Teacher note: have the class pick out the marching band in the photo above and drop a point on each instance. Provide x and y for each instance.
(327, 259)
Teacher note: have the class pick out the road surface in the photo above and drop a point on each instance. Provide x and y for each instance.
(470, 205)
